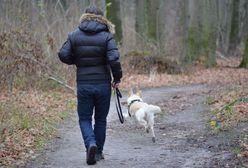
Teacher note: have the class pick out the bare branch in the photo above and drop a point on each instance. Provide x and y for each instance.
(62, 83)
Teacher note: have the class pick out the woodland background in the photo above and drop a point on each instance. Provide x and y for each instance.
(165, 35)
(162, 42)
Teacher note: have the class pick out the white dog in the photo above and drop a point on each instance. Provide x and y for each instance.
(143, 112)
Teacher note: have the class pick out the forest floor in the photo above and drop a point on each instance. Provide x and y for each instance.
(183, 137)
(191, 132)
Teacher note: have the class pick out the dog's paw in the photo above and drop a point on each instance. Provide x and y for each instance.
(153, 139)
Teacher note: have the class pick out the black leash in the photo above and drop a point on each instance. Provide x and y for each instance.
(118, 104)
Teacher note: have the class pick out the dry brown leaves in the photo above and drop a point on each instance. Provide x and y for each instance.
(224, 74)
(219, 75)
(229, 117)
(27, 119)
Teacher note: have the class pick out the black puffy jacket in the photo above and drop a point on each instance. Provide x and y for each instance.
(92, 48)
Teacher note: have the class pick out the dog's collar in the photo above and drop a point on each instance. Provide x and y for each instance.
(138, 100)
(135, 100)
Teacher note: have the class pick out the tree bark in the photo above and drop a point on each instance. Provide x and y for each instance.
(234, 34)
(152, 18)
(113, 14)
(128, 26)
(141, 18)
(224, 25)
(244, 62)
(202, 32)
(171, 29)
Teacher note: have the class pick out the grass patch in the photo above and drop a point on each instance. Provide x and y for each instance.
(236, 150)
(210, 100)
(22, 120)
(63, 114)
(40, 142)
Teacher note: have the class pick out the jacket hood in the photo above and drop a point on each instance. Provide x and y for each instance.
(95, 23)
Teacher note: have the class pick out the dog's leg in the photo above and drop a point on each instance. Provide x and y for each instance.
(140, 119)
(153, 134)
(147, 129)
(144, 123)
(150, 124)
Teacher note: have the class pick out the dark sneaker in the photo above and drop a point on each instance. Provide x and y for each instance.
(91, 154)
(99, 156)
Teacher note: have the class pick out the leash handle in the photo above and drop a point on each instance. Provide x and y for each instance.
(118, 104)
(118, 93)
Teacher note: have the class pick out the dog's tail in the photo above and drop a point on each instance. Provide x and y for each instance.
(154, 109)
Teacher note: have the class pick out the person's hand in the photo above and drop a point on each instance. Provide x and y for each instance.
(115, 85)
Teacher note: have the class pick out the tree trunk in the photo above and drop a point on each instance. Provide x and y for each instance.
(234, 34)
(224, 25)
(141, 24)
(171, 29)
(152, 18)
(244, 62)
(202, 32)
(128, 26)
(146, 22)
(113, 14)
(243, 20)
(141, 17)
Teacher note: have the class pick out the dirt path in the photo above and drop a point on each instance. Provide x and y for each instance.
(182, 137)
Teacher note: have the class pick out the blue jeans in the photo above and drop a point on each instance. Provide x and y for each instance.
(93, 97)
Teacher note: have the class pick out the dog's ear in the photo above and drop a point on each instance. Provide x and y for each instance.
(139, 93)
(130, 92)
